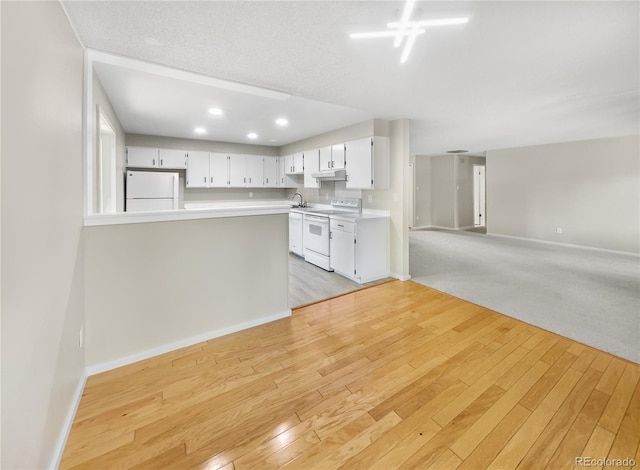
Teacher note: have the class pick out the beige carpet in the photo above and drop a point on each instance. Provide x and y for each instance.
(587, 295)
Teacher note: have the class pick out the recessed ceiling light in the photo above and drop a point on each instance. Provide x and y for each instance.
(215, 111)
(252, 135)
(200, 130)
(282, 122)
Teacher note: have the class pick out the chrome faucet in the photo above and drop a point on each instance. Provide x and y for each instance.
(302, 203)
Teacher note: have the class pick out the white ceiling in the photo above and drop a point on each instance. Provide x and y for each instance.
(518, 73)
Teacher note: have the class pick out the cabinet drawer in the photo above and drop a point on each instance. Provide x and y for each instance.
(343, 226)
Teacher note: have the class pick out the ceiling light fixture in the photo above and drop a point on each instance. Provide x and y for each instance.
(215, 111)
(252, 135)
(282, 122)
(407, 29)
(200, 130)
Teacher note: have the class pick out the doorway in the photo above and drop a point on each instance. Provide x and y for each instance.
(479, 203)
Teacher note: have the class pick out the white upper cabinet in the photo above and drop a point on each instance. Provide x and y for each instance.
(174, 159)
(294, 164)
(218, 170)
(237, 171)
(284, 180)
(270, 172)
(332, 157)
(311, 166)
(325, 159)
(337, 156)
(367, 163)
(198, 170)
(142, 157)
(255, 171)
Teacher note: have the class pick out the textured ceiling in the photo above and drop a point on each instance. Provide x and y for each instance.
(518, 73)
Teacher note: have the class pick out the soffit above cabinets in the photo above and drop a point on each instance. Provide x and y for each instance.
(147, 103)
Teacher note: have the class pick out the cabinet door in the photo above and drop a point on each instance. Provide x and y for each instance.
(325, 159)
(218, 170)
(359, 164)
(284, 180)
(311, 165)
(298, 163)
(255, 171)
(198, 170)
(288, 165)
(237, 171)
(270, 172)
(295, 233)
(142, 157)
(343, 254)
(172, 158)
(337, 157)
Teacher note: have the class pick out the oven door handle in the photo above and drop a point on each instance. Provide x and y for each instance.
(317, 218)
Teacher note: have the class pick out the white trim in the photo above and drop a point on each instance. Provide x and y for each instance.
(68, 422)
(87, 133)
(593, 248)
(123, 218)
(401, 278)
(467, 227)
(179, 74)
(183, 343)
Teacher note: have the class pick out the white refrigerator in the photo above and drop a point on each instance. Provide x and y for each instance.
(151, 191)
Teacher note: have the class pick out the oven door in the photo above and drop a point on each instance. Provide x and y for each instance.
(316, 234)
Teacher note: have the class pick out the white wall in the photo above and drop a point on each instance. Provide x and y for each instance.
(42, 209)
(153, 284)
(591, 189)
(101, 99)
(422, 192)
(395, 199)
(443, 191)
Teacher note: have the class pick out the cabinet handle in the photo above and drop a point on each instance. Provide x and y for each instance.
(249, 180)
(205, 179)
(211, 179)
(244, 180)
(154, 162)
(161, 162)
(267, 180)
(328, 164)
(340, 225)
(331, 163)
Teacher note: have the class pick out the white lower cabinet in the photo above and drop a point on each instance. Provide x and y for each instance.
(295, 233)
(360, 250)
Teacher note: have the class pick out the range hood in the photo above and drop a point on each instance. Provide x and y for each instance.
(331, 175)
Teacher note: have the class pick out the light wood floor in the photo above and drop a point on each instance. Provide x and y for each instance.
(309, 283)
(393, 376)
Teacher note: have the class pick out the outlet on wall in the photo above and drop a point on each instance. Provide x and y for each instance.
(370, 198)
(250, 194)
(558, 229)
(81, 337)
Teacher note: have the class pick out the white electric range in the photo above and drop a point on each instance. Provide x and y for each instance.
(316, 228)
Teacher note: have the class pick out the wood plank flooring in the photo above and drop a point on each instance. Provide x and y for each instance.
(394, 376)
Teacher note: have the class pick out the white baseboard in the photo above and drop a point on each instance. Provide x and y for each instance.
(165, 348)
(68, 422)
(399, 277)
(547, 242)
